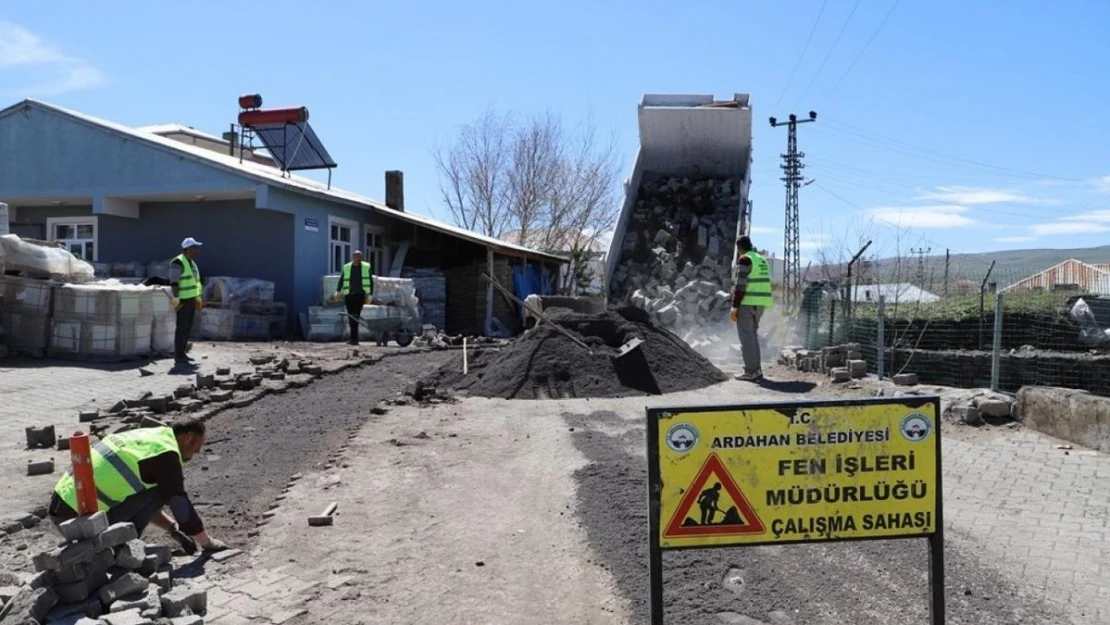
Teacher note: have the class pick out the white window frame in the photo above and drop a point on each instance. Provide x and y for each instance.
(332, 243)
(51, 222)
(376, 255)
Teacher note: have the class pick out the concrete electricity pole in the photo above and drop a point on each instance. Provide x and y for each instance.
(792, 177)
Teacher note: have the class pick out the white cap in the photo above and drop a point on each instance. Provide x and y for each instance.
(190, 242)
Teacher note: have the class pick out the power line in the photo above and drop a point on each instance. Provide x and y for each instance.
(801, 56)
(829, 54)
(792, 177)
(862, 131)
(860, 55)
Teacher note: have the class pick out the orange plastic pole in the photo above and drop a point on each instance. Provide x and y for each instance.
(80, 451)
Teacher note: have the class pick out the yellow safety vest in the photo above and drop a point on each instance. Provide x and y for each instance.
(115, 464)
(758, 289)
(188, 285)
(367, 283)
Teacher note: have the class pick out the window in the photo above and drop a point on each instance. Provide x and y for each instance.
(76, 234)
(341, 238)
(375, 249)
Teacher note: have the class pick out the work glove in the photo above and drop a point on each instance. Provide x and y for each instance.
(188, 545)
(734, 315)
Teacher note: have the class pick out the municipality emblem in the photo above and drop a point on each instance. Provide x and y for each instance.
(916, 427)
(682, 437)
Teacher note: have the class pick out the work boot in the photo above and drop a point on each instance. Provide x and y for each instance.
(749, 377)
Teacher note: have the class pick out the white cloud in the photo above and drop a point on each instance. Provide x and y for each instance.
(970, 196)
(25, 52)
(1015, 239)
(1099, 216)
(763, 230)
(1103, 184)
(939, 216)
(1069, 227)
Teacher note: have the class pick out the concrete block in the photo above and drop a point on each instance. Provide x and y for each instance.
(104, 560)
(69, 574)
(1075, 416)
(75, 619)
(116, 535)
(40, 437)
(175, 602)
(130, 617)
(855, 355)
(131, 554)
(205, 381)
(84, 527)
(162, 553)
(73, 593)
(29, 604)
(42, 579)
(89, 608)
(905, 379)
(86, 416)
(122, 586)
(858, 368)
(149, 603)
(186, 390)
(840, 374)
(163, 580)
(40, 467)
(220, 396)
(223, 371)
(187, 620)
(66, 556)
(63, 443)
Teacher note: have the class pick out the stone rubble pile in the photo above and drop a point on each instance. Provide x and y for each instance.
(842, 363)
(102, 575)
(437, 339)
(676, 256)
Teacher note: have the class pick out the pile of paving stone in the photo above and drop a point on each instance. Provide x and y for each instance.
(102, 575)
(841, 362)
(676, 255)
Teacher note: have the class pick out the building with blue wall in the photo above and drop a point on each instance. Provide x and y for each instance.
(112, 193)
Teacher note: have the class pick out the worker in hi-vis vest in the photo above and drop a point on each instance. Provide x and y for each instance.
(750, 297)
(356, 286)
(137, 473)
(185, 281)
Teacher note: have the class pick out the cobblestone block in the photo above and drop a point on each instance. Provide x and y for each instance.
(161, 553)
(116, 535)
(148, 603)
(66, 556)
(130, 617)
(84, 527)
(40, 467)
(131, 554)
(905, 379)
(30, 604)
(177, 601)
(73, 593)
(123, 585)
(89, 608)
(40, 438)
(187, 620)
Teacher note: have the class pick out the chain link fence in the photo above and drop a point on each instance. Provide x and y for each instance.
(969, 324)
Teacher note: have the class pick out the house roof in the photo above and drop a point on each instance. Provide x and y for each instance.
(272, 176)
(902, 291)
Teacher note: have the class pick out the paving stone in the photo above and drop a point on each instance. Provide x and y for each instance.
(63, 443)
(40, 467)
(148, 602)
(163, 580)
(162, 554)
(130, 617)
(116, 535)
(131, 554)
(66, 556)
(40, 437)
(994, 407)
(227, 554)
(193, 598)
(84, 527)
(91, 607)
(123, 585)
(75, 619)
(280, 618)
(187, 620)
(85, 416)
(905, 379)
(220, 396)
(34, 604)
(73, 593)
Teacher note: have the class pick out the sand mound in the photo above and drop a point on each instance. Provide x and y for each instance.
(545, 364)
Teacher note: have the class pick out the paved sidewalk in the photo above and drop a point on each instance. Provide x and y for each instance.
(46, 392)
(1039, 512)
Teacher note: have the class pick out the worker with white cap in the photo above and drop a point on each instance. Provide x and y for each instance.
(185, 279)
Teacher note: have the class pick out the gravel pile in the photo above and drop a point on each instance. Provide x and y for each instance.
(545, 364)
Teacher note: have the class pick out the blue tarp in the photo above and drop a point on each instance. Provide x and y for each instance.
(532, 280)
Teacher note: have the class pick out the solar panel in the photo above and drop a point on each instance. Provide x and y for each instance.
(294, 146)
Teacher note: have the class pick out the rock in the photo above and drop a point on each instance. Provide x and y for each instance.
(66, 556)
(905, 379)
(1075, 416)
(123, 585)
(177, 601)
(28, 604)
(130, 617)
(997, 408)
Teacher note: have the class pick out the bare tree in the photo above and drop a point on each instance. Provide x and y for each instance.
(532, 182)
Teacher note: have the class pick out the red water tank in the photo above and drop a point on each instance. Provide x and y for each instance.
(274, 116)
(250, 101)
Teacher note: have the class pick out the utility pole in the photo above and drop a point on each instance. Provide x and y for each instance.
(792, 177)
(947, 260)
(921, 264)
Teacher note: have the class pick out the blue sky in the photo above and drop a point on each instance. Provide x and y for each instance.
(968, 125)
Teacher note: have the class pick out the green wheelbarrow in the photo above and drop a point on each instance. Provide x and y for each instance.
(401, 330)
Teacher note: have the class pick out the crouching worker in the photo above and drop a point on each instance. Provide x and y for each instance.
(137, 473)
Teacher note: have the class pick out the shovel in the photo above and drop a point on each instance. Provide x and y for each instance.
(625, 349)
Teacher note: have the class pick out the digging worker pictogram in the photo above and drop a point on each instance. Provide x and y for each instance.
(750, 298)
(708, 500)
(185, 280)
(137, 473)
(356, 292)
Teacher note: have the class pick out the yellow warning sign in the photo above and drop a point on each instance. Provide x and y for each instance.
(799, 472)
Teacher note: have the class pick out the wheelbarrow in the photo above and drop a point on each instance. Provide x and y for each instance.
(402, 330)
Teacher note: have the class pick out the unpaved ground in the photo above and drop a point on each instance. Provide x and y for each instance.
(252, 452)
(502, 512)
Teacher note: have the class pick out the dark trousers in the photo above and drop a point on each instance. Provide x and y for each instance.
(137, 509)
(354, 303)
(185, 315)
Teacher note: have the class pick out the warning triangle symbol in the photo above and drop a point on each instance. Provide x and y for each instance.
(713, 506)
